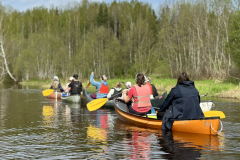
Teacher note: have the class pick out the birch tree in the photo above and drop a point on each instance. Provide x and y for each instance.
(2, 52)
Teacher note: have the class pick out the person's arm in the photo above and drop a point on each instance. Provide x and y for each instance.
(80, 86)
(127, 95)
(110, 93)
(168, 101)
(155, 93)
(92, 81)
(60, 87)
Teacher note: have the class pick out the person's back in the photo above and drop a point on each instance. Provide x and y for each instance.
(183, 102)
(140, 96)
(76, 86)
(56, 85)
(115, 92)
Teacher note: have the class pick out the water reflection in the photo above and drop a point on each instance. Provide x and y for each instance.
(98, 132)
(173, 145)
(55, 112)
(138, 141)
(180, 145)
(4, 101)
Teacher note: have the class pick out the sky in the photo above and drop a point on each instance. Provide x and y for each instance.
(22, 5)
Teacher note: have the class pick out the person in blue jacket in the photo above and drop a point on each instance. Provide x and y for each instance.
(102, 88)
(183, 102)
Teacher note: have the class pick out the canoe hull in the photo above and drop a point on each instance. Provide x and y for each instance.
(74, 99)
(53, 95)
(201, 126)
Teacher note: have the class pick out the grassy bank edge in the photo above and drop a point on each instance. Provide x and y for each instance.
(211, 87)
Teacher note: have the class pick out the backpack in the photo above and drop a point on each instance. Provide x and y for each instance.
(55, 84)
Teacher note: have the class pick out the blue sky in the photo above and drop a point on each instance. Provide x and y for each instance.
(22, 5)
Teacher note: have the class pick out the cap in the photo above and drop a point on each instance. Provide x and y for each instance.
(129, 84)
(55, 78)
(71, 78)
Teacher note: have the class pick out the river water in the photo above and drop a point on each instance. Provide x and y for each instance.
(32, 127)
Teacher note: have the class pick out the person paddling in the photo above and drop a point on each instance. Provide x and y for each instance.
(101, 87)
(56, 84)
(75, 85)
(115, 92)
(140, 96)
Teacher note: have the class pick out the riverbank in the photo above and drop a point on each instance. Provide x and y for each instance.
(214, 88)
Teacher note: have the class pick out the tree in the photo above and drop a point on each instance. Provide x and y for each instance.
(2, 46)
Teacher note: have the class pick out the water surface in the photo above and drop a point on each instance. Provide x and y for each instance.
(33, 127)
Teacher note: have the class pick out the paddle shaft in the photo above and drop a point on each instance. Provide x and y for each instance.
(125, 85)
(203, 95)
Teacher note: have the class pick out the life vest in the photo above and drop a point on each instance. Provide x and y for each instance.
(104, 89)
(116, 94)
(55, 85)
(143, 96)
(150, 87)
(76, 89)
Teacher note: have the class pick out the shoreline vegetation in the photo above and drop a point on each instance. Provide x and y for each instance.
(213, 88)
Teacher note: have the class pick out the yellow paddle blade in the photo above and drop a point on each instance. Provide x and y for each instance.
(214, 113)
(47, 92)
(96, 104)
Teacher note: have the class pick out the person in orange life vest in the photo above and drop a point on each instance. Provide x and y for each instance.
(153, 88)
(101, 87)
(140, 96)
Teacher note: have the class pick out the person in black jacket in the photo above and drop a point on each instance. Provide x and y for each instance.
(76, 86)
(183, 102)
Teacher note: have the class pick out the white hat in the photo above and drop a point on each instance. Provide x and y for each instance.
(129, 84)
(55, 78)
(71, 78)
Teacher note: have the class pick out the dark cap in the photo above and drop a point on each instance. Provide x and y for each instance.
(75, 76)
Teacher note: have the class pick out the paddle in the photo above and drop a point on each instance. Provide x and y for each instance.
(204, 95)
(214, 113)
(206, 114)
(47, 92)
(98, 103)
